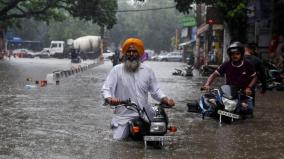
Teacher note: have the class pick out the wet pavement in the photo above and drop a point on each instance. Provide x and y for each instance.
(68, 121)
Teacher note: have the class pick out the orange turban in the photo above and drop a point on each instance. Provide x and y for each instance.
(133, 42)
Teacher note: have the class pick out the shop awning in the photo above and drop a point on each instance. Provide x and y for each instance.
(186, 43)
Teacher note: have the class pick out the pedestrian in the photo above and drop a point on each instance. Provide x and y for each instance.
(115, 57)
(239, 72)
(250, 56)
(275, 51)
(131, 79)
(280, 51)
(144, 57)
(212, 55)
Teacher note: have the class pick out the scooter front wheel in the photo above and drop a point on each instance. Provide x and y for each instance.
(155, 144)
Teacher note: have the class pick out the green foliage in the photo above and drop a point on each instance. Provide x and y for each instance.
(101, 12)
(98, 11)
(235, 16)
(71, 28)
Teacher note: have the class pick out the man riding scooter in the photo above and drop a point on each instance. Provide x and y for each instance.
(131, 80)
(239, 73)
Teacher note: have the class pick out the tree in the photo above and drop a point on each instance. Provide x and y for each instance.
(101, 12)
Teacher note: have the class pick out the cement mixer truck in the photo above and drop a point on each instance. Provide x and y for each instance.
(88, 47)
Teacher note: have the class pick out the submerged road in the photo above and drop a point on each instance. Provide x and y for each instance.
(68, 121)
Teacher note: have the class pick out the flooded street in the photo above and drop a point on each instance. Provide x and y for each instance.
(68, 121)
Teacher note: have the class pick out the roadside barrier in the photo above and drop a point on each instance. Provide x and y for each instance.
(42, 83)
(57, 76)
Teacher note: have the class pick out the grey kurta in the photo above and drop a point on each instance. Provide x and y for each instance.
(124, 85)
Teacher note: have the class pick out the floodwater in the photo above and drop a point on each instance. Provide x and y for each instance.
(68, 121)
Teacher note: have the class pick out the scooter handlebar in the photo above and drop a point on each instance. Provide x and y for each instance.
(164, 105)
(117, 102)
(203, 88)
(127, 101)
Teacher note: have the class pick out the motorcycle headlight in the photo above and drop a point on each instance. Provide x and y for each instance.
(230, 105)
(158, 127)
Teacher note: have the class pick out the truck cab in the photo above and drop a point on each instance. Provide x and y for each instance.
(56, 48)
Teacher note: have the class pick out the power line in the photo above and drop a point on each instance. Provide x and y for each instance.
(148, 9)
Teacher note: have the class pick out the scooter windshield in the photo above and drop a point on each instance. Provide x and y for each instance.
(229, 92)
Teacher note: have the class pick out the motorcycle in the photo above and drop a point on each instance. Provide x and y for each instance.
(273, 75)
(227, 103)
(150, 127)
(186, 71)
(207, 70)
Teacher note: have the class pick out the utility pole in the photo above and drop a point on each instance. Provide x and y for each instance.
(177, 39)
(101, 57)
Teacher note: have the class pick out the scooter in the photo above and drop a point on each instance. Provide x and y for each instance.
(150, 127)
(226, 102)
(273, 76)
(207, 70)
(186, 71)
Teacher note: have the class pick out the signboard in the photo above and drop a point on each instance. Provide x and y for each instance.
(188, 21)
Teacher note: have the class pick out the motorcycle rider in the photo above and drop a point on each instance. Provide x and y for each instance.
(131, 79)
(250, 56)
(239, 72)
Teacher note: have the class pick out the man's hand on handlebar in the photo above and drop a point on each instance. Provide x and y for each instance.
(205, 88)
(248, 91)
(113, 101)
(168, 101)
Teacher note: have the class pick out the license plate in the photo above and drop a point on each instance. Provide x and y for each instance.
(160, 138)
(228, 114)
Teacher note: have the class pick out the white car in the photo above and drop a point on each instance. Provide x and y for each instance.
(171, 56)
(23, 52)
(108, 54)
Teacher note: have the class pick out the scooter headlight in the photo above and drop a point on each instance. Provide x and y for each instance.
(230, 105)
(158, 127)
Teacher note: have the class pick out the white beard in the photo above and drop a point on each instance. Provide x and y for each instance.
(131, 66)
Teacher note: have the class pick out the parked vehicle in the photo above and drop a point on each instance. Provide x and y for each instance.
(57, 49)
(273, 76)
(108, 55)
(186, 71)
(171, 56)
(226, 102)
(150, 53)
(25, 53)
(87, 46)
(206, 70)
(154, 57)
(43, 53)
(19, 43)
(150, 126)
